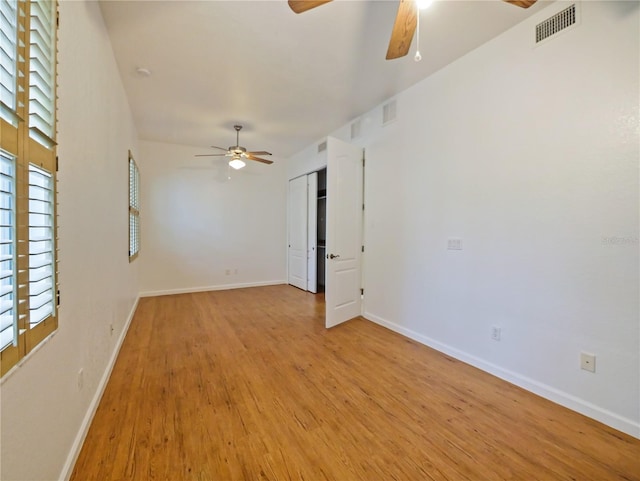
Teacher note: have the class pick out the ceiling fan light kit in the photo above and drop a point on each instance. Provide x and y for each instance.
(404, 25)
(237, 163)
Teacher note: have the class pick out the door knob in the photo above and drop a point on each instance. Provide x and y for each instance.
(333, 256)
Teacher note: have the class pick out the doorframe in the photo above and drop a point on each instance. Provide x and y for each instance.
(323, 165)
(304, 174)
(362, 235)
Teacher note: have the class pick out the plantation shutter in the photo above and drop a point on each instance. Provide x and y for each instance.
(134, 209)
(41, 246)
(28, 260)
(13, 72)
(42, 71)
(35, 190)
(8, 311)
(8, 57)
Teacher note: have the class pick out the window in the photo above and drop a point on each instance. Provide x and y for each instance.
(28, 262)
(134, 209)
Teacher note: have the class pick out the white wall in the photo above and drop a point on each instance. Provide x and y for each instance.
(307, 161)
(197, 224)
(43, 412)
(530, 155)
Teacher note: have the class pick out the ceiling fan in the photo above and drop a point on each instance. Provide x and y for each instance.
(239, 153)
(404, 26)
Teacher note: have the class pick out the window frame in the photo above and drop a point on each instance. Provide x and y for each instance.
(29, 146)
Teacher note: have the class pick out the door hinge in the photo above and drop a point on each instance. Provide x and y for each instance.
(362, 206)
(57, 163)
(58, 297)
(362, 248)
(362, 292)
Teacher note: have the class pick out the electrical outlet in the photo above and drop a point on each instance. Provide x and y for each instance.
(80, 379)
(588, 361)
(495, 333)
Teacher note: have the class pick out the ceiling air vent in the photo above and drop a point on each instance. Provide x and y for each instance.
(355, 129)
(388, 112)
(555, 24)
(322, 146)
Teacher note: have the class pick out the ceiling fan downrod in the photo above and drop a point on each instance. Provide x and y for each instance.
(238, 129)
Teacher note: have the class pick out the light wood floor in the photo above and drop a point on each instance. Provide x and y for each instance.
(248, 385)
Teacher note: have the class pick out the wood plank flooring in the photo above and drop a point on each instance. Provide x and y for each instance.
(248, 385)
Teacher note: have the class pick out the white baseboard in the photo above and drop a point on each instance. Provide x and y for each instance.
(574, 403)
(220, 287)
(67, 469)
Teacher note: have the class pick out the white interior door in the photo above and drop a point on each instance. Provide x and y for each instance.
(312, 232)
(297, 253)
(344, 232)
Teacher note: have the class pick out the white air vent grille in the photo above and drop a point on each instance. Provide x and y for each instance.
(555, 24)
(355, 129)
(388, 112)
(322, 146)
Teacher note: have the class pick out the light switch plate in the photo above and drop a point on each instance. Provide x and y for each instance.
(454, 244)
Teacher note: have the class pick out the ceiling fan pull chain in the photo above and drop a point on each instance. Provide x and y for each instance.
(417, 56)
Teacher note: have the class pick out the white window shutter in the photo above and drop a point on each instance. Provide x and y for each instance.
(41, 246)
(42, 71)
(8, 299)
(8, 58)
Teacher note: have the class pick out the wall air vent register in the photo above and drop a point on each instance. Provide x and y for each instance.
(560, 21)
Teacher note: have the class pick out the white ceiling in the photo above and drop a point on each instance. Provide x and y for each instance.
(289, 79)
